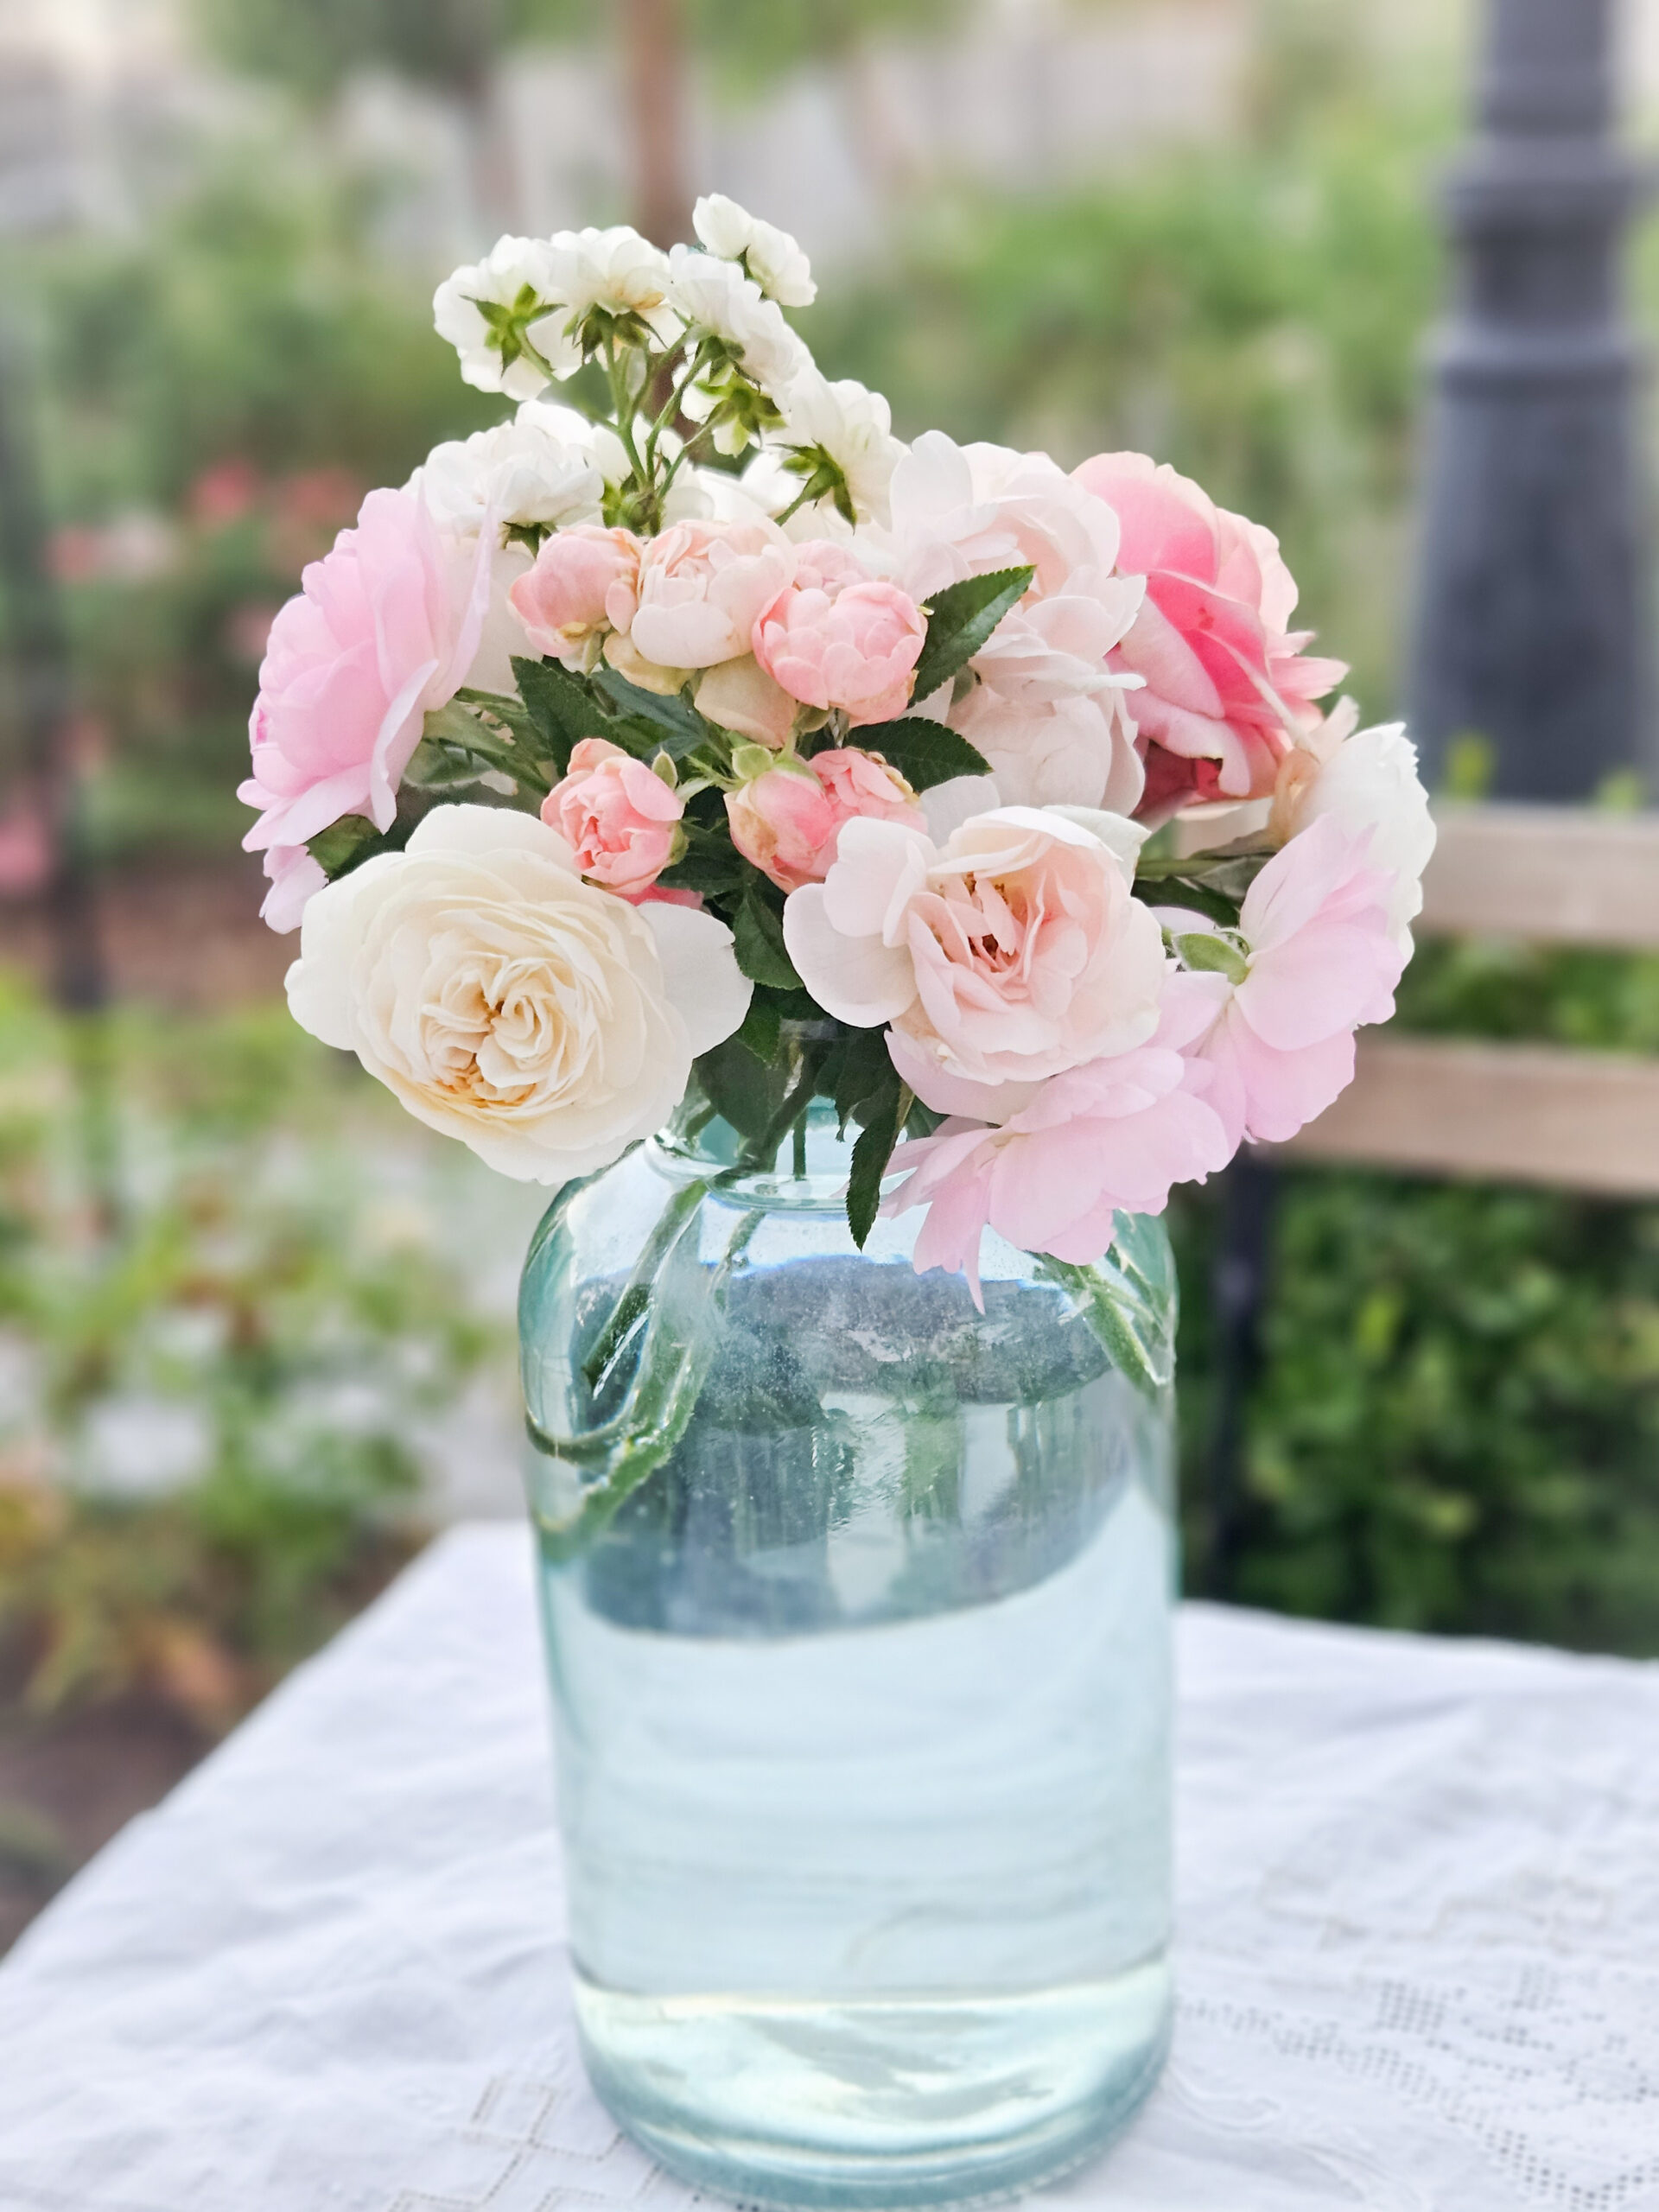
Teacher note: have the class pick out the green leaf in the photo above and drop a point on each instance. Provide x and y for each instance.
(561, 710)
(960, 619)
(923, 752)
(504, 707)
(679, 728)
(742, 1091)
(870, 1157)
(862, 1070)
(457, 729)
(759, 946)
(346, 844)
(1212, 955)
(762, 1028)
(436, 765)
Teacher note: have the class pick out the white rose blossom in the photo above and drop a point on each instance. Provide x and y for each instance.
(773, 258)
(547, 1024)
(851, 427)
(488, 310)
(718, 297)
(520, 472)
(615, 269)
(1368, 784)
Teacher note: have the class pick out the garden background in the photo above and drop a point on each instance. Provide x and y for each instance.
(255, 1327)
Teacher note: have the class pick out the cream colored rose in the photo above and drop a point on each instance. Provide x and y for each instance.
(545, 1023)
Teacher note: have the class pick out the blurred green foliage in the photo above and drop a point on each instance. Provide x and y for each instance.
(215, 1343)
(1455, 1426)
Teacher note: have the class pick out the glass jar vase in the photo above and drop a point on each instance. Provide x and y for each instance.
(857, 1604)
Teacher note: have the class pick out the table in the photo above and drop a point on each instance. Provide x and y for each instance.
(1419, 1952)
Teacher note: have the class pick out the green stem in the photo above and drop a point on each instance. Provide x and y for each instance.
(636, 1294)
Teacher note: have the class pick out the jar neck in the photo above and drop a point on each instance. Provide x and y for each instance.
(766, 1153)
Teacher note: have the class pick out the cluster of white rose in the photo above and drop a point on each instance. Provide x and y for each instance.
(816, 724)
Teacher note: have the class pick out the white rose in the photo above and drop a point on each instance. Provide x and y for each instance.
(545, 1023)
(718, 297)
(855, 427)
(518, 472)
(597, 439)
(514, 270)
(774, 259)
(1366, 782)
(616, 269)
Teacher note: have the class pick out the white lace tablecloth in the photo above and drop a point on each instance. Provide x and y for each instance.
(1419, 1947)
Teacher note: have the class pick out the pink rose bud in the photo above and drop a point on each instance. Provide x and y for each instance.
(788, 819)
(585, 580)
(619, 817)
(836, 638)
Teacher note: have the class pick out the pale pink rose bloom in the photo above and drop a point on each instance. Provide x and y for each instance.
(294, 877)
(618, 816)
(384, 630)
(788, 821)
(741, 697)
(835, 637)
(1226, 679)
(584, 580)
(1322, 957)
(1112, 1136)
(1013, 953)
(702, 584)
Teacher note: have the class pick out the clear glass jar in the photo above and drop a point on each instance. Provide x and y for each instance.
(857, 1604)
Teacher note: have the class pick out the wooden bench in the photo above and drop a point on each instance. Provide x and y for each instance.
(1578, 1120)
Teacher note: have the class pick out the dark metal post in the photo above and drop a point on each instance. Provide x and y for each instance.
(1533, 617)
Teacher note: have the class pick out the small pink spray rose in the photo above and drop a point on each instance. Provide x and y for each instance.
(836, 637)
(788, 819)
(618, 816)
(585, 580)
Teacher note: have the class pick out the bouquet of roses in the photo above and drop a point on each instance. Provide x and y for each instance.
(763, 718)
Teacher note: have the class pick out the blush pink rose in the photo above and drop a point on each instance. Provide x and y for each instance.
(1317, 939)
(584, 580)
(1226, 679)
(384, 629)
(835, 637)
(788, 821)
(1013, 953)
(618, 816)
(1112, 1136)
(294, 877)
(702, 584)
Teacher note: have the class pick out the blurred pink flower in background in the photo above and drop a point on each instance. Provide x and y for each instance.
(224, 493)
(1320, 959)
(384, 630)
(789, 820)
(1226, 678)
(618, 816)
(584, 580)
(835, 637)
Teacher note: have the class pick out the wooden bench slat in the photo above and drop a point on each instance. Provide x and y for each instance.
(1551, 875)
(1583, 1122)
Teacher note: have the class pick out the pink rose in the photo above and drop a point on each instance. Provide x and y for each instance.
(788, 821)
(1319, 958)
(833, 637)
(741, 697)
(1013, 953)
(585, 580)
(618, 816)
(702, 585)
(384, 630)
(294, 877)
(1226, 679)
(1110, 1137)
